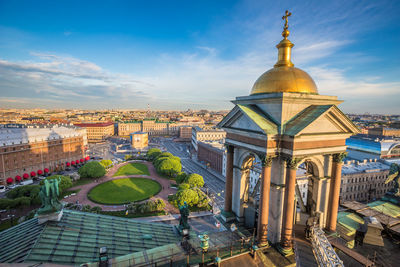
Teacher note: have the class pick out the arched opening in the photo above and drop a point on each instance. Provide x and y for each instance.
(306, 199)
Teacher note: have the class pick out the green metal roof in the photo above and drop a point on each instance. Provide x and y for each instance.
(261, 119)
(304, 118)
(17, 241)
(77, 237)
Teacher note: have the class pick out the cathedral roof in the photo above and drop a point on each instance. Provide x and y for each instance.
(77, 237)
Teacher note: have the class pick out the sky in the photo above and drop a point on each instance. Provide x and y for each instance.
(177, 55)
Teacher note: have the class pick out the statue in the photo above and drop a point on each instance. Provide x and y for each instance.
(394, 175)
(48, 194)
(183, 222)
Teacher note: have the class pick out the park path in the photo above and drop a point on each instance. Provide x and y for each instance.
(81, 196)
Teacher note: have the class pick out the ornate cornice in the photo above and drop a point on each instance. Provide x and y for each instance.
(338, 158)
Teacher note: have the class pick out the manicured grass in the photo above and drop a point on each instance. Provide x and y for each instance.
(124, 191)
(132, 169)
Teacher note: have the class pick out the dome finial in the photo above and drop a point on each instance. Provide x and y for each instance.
(285, 46)
(285, 32)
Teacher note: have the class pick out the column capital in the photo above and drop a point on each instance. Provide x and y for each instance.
(266, 161)
(338, 158)
(292, 162)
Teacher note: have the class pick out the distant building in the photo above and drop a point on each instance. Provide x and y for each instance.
(185, 133)
(125, 128)
(198, 134)
(97, 132)
(213, 154)
(362, 147)
(139, 140)
(364, 181)
(27, 152)
(382, 131)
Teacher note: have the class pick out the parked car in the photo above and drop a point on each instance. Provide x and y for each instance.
(2, 188)
(41, 178)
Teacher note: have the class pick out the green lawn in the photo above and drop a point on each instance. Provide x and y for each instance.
(132, 169)
(124, 190)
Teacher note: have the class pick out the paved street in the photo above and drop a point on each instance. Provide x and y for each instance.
(214, 184)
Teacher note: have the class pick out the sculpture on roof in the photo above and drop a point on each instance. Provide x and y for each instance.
(48, 194)
(183, 222)
(394, 175)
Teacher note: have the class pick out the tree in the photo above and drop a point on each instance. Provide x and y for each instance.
(92, 169)
(106, 163)
(181, 177)
(169, 167)
(153, 153)
(184, 186)
(195, 180)
(64, 184)
(189, 196)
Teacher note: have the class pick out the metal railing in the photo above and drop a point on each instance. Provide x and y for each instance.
(323, 250)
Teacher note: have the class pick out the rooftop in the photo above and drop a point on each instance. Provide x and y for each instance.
(351, 167)
(12, 136)
(77, 237)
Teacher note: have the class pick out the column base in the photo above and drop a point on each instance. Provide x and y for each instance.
(264, 244)
(285, 251)
(227, 216)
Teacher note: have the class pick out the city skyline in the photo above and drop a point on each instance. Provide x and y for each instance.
(200, 56)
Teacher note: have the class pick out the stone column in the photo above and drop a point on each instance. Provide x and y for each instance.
(229, 179)
(288, 205)
(335, 190)
(263, 209)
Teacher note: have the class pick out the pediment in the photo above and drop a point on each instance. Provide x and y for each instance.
(248, 118)
(325, 119)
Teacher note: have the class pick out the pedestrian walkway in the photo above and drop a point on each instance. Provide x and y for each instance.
(82, 198)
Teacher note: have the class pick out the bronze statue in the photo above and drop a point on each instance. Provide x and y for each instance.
(48, 194)
(183, 222)
(394, 175)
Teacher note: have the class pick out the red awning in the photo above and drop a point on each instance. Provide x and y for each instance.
(26, 176)
(67, 164)
(33, 174)
(39, 172)
(87, 158)
(46, 170)
(77, 161)
(18, 178)
(9, 180)
(72, 162)
(81, 160)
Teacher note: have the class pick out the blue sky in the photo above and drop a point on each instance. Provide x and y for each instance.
(193, 54)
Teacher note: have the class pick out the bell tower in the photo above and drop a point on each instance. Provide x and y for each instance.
(286, 127)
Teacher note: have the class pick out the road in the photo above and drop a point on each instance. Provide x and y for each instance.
(213, 184)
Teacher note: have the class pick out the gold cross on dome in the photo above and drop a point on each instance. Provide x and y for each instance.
(285, 18)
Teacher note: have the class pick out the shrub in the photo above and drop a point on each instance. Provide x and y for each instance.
(24, 191)
(18, 202)
(92, 169)
(147, 207)
(64, 184)
(153, 153)
(195, 180)
(96, 209)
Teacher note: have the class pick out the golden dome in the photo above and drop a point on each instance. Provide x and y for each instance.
(284, 77)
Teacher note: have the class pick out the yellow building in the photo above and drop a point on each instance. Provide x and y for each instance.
(139, 140)
(97, 132)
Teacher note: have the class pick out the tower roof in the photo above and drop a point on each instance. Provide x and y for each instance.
(284, 77)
